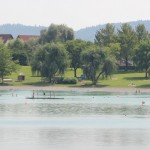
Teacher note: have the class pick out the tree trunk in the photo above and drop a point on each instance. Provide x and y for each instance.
(98, 77)
(75, 72)
(126, 62)
(95, 79)
(146, 74)
(94, 82)
(2, 78)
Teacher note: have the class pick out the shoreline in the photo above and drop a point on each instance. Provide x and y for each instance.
(84, 89)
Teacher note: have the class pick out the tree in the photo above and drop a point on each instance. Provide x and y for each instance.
(105, 36)
(7, 66)
(96, 64)
(113, 50)
(51, 59)
(142, 57)
(128, 41)
(109, 66)
(19, 51)
(142, 33)
(75, 48)
(56, 33)
(30, 47)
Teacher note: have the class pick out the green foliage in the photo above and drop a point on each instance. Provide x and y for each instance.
(142, 57)
(93, 61)
(113, 50)
(75, 48)
(30, 47)
(109, 67)
(128, 42)
(19, 51)
(49, 60)
(142, 33)
(56, 33)
(7, 66)
(70, 80)
(66, 80)
(106, 35)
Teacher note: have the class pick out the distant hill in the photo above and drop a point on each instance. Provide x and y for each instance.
(18, 29)
(87, 33)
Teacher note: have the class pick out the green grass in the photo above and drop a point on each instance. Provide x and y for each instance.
(125, 80)
(117, 80)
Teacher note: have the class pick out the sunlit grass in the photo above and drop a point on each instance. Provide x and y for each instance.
(120, 80)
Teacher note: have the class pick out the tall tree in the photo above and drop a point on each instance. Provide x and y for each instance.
(128, 41)
(142, 57)
(105, 36)
(56, 33)
(142, 33)
(52, 59)
(7, 66)
(75, 48)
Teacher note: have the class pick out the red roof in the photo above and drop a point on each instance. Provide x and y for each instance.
(6, 37)
(25, 38)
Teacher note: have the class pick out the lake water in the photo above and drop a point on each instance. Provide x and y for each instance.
(79, 121)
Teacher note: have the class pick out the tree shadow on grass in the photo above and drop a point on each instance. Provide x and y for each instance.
(37, 83)
(91, 85)
(86, 85)
(134, 78)
(144, 86)
(6, 84)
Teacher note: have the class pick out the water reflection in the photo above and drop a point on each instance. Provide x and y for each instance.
(58, 139)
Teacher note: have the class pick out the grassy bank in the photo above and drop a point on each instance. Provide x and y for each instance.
(126, 80)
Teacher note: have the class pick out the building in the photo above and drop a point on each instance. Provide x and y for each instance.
(6, 37)
(26, 38)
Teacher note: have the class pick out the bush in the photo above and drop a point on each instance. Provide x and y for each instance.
(62, 80)
(70, 81)
(59, 80)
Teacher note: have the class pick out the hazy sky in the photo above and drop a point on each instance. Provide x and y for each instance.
(74, 13)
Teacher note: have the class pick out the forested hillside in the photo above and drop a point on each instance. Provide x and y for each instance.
(87, 33)
(17, 29)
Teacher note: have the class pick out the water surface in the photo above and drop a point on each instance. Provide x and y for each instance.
(81, 120)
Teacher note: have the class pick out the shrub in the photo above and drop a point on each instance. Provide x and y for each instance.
(59, 80)
(62, 80)
(70, 81)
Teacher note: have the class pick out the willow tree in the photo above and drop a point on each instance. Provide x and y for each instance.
(50, 59)
(56, 33)
(96, 63)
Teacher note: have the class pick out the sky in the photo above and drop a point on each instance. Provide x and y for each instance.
(76, 14)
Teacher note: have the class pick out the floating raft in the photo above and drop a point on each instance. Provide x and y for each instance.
(44, 98)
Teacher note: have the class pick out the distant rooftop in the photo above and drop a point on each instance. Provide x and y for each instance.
(6, 37)
(26, 38)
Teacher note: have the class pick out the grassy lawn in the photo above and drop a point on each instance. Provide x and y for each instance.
(126, 80)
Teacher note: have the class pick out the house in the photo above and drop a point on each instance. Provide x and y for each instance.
(26, 38)
(6, 37)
